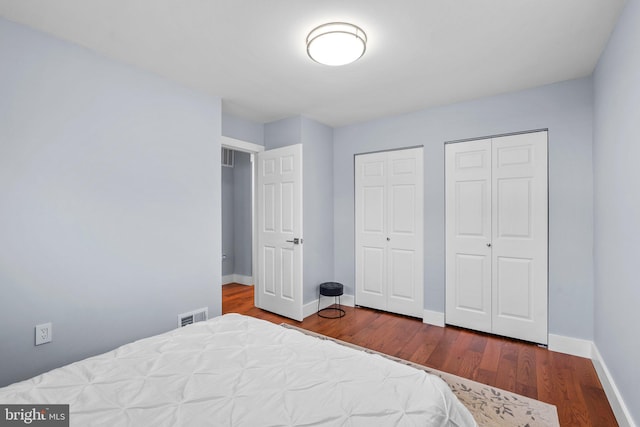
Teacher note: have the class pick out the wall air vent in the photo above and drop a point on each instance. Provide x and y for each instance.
(227, 157)
(194, 316)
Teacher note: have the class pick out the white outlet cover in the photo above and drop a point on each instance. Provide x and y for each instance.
(44, 333)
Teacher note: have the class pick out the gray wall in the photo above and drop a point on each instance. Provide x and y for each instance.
(317, 153)
(242, 232)
(566, 110)
(317, 142)
(617, 206)
(110, 206)
(228, 244)
(236, 216)
(242, 129)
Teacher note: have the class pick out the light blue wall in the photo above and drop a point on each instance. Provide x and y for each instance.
(317, 142)
(242, 233)
(110, 202)
(236, 216)
(283, 132)
(228, 221)
(317, 159)
(566, 110)
(617, 205)
(242, 129)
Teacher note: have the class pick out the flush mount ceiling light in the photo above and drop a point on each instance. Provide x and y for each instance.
(336, 43)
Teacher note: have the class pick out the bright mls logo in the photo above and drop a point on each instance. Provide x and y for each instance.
(34, 415)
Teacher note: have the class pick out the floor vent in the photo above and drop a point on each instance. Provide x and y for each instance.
(198, 315)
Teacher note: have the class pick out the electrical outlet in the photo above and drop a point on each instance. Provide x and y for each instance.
(44, 333)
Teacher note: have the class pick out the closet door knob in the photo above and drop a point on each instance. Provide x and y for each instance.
(488, 245)
(388, 239)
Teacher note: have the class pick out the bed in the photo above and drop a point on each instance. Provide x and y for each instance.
(236, 370)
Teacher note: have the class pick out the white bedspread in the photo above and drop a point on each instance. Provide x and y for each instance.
(240, 371)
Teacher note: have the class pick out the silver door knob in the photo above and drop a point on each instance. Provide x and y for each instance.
(388, 239)
(488, 245)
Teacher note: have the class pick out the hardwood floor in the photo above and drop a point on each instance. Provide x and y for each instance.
(568, 382)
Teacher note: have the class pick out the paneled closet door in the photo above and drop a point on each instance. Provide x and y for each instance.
(389, 231)
(468, 234)
(371, 230)
(405, 232)
(496, 235)
(520, 236)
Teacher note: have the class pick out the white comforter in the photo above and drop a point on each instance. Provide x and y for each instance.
(240, 371)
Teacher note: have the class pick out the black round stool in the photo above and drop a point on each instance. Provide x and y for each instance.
(335, 290)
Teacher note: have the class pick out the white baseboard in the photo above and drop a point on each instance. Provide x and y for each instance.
(237, 278)
(312, 307)
(620, 410)
(573, 346)
(585, 348)
(435, 318)
(243, 280)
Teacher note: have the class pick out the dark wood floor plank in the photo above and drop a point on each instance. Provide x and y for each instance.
(526, 375)
(568, 382)
(546, 387)
(457, 351)
(430, 337)
(491, 355)
(572, 407)
(484, 376)
(469, 365)
(600, 411)
(508, 367)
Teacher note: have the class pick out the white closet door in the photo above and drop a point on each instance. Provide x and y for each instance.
(496, 235)
(389, 231)
(519, 285)
(371, 237)
(405, 204)
(468, 234)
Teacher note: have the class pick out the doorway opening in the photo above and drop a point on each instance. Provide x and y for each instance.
(238, 211)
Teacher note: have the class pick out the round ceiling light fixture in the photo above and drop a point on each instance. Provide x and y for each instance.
(336, 43)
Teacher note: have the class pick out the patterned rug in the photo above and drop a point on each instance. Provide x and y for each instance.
(489, 406)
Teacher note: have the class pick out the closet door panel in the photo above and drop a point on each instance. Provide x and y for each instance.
(520, 240)
(373, 267)
(468, 234)
(514, 288)
(405, 277)
(470, 284)
(403, 269)
(371, 222)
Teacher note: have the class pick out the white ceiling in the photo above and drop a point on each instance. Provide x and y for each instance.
(420, 53)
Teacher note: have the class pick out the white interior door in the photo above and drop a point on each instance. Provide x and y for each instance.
(496, 235)
(279, 213)
(389, 231)
(519, 243)
(468, 234)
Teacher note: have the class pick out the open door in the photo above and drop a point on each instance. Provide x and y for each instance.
(279, 231)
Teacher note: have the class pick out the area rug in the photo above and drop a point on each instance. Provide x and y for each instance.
(489, 406)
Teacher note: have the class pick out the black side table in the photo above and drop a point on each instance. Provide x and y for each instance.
(335, 290)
